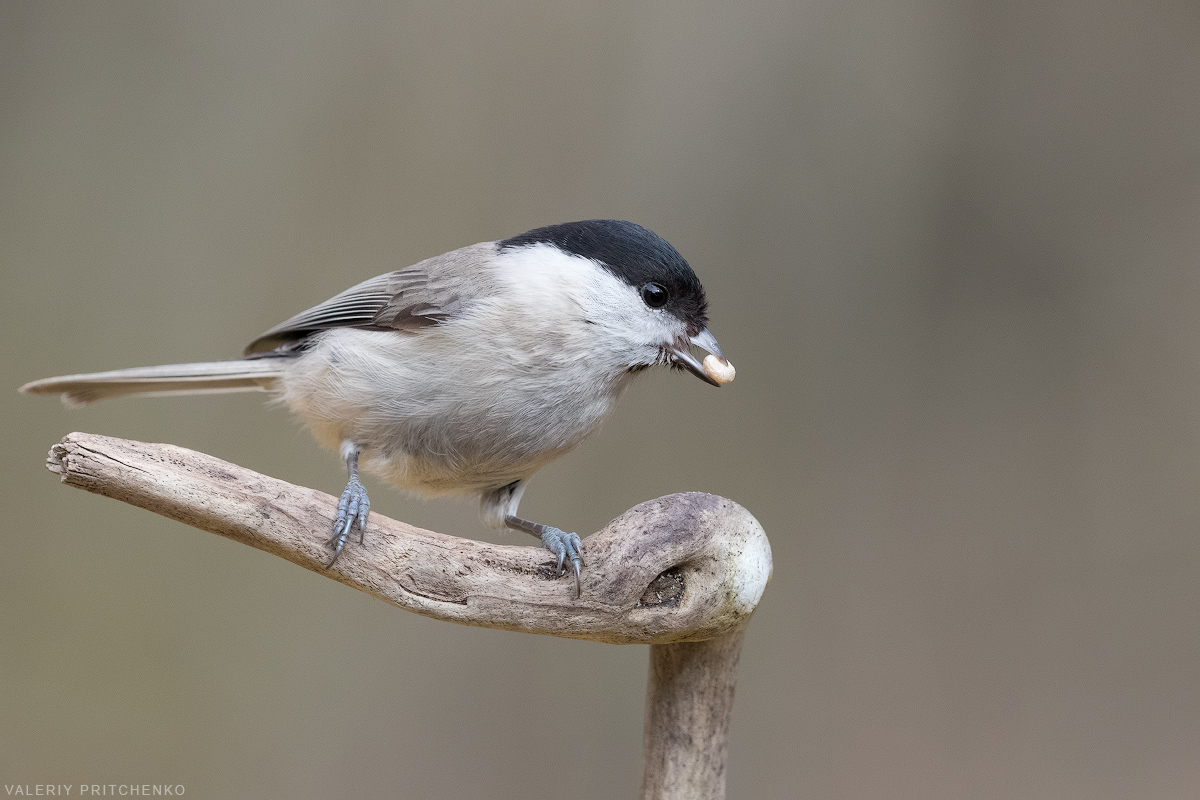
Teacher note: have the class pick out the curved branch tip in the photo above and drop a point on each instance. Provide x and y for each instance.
(685, 567)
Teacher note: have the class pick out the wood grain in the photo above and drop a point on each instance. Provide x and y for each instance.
(682, 573)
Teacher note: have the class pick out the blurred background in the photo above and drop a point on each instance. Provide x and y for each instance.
(951, 247)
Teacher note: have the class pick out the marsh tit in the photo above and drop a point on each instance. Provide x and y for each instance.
(468, 372)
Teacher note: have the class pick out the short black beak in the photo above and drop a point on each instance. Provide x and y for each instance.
(681, 354)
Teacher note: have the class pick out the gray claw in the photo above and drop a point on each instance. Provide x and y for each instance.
(565, 546)
(353, 506)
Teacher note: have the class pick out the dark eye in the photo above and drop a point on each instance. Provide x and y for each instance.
(654, 295)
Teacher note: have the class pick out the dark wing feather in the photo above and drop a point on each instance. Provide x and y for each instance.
(407, 300)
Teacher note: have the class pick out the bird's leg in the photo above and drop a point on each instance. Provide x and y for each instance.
(566, 546)
(498, 508)
(354, 504)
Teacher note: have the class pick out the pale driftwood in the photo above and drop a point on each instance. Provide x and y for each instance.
(681, 573)
(689, 701)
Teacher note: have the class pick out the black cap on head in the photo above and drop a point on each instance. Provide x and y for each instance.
(632, 253)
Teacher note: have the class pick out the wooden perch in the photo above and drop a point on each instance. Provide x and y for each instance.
(682, 573)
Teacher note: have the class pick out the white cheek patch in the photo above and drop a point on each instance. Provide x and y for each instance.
(543, 277)
(565, 287)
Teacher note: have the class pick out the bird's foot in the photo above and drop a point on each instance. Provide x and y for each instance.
(353, 506)
(566, 546)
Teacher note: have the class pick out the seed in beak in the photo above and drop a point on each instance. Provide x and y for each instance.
(719, 369)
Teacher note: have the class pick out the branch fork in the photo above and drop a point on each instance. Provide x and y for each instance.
(682, 573)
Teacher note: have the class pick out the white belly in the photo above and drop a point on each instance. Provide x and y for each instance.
(438, 419)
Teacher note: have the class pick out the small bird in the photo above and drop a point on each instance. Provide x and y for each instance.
(467, 372)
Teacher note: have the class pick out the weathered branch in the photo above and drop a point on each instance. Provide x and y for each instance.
(689, 702)
(672, 572)
(685, 567)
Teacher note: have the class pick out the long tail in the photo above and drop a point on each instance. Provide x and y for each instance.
(257, 374)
